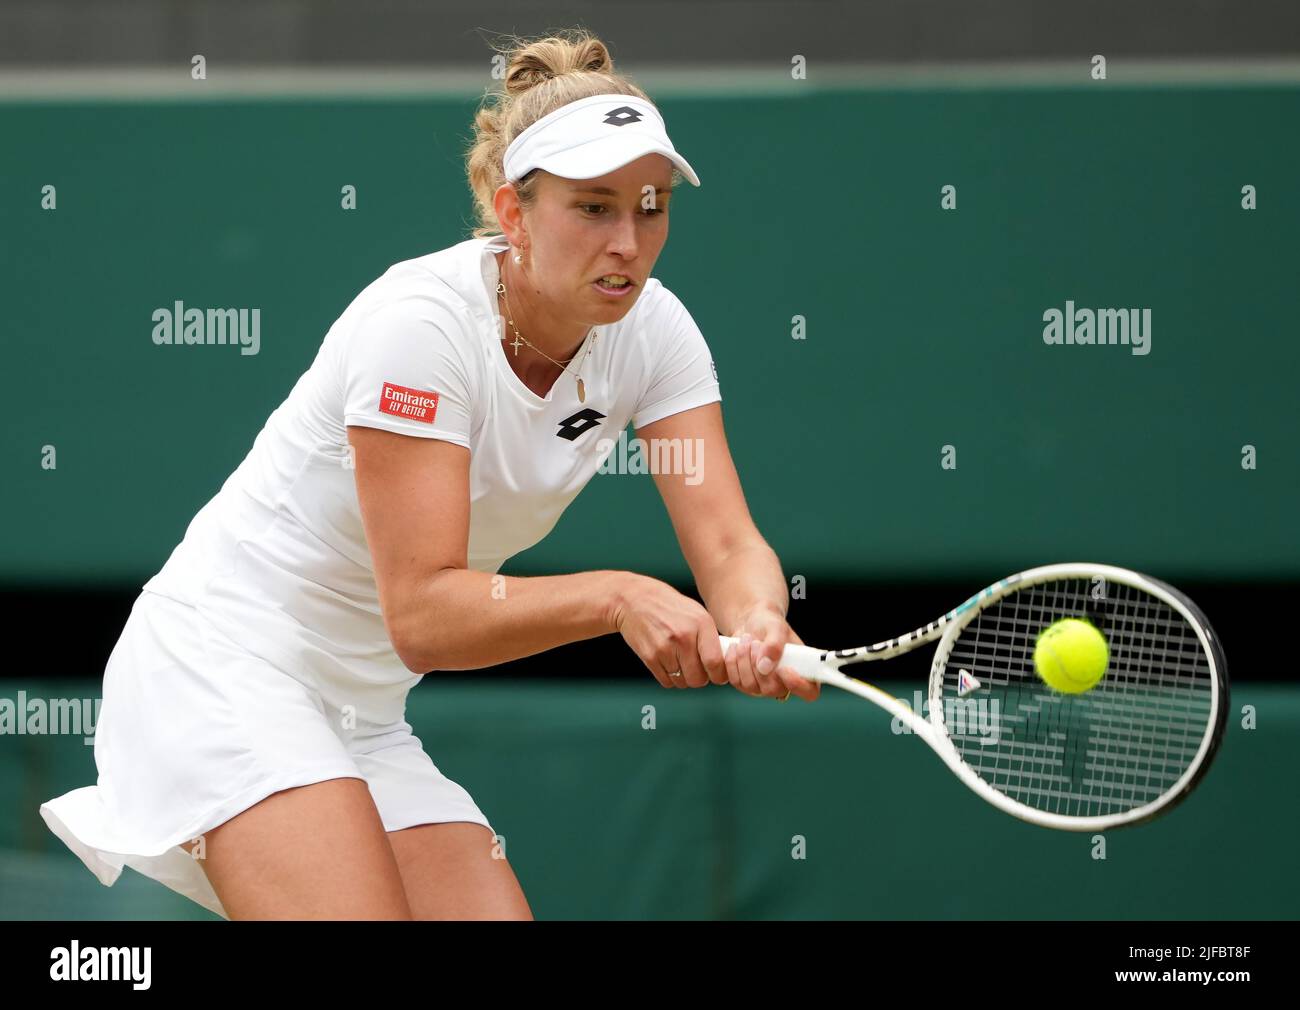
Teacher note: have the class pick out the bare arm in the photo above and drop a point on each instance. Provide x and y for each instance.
(739, 576)
(463, 620)
(746, 579)
(414, 497)
(734, 568)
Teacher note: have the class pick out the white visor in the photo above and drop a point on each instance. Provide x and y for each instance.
(592, 137)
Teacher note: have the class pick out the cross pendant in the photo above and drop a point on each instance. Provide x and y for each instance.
(515, 344)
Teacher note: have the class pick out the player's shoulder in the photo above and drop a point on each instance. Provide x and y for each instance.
(656, 296)
(449, 277)
(443, 289)
(654, 304)
(657, 317)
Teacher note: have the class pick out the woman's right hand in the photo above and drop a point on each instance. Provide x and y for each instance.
(670, 632)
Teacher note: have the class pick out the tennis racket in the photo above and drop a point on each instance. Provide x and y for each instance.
(1120, 753)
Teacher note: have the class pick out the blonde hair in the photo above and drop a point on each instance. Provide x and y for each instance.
(541, 75)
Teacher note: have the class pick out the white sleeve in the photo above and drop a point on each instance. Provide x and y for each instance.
(682, 373)
(405, 370)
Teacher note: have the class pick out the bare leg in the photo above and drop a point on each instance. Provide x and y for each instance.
(315, 852)
(449, 872)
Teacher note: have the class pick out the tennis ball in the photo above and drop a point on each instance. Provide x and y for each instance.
(1071, 655)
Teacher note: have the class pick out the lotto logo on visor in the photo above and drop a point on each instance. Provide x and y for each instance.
(622, 116)
(402, 401)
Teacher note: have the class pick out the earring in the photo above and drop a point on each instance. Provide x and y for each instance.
(518, 258)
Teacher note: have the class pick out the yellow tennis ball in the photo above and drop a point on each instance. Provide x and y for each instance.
(1071, 655)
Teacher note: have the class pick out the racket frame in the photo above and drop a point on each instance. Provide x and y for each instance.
(824, 667)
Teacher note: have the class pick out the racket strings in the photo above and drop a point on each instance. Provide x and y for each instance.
(1122, 744)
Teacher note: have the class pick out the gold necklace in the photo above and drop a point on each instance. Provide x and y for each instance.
(520, 338)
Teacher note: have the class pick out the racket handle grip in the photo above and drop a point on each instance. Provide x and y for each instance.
(803, 659)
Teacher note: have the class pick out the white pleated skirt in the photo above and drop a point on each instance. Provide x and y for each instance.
(193, 730)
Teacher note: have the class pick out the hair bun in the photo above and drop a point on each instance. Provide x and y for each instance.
(546, 59)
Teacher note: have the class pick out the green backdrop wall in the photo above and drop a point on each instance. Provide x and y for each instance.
(923, 329)
(923, 326)
(702, 816)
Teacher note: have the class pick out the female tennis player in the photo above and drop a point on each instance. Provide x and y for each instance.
(252, 748)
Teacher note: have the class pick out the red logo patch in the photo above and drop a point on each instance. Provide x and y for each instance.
(402, 401)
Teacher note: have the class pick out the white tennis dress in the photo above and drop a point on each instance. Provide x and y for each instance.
(257, 659)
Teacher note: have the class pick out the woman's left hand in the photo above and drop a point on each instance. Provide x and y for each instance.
(751, 663)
